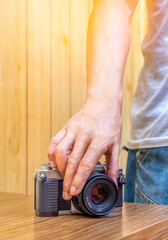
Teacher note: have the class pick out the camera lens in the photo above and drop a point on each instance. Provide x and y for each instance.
(99, 194)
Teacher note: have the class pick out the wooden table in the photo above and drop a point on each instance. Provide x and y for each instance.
(135, 221)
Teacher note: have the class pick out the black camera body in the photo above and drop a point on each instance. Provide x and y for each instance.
(99, 196)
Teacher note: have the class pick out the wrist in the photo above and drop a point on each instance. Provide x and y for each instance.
(104, 100)
(105, 108)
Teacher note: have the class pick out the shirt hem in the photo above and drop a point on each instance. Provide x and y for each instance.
(147, 143)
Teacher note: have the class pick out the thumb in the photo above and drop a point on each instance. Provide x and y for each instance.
(53, 143)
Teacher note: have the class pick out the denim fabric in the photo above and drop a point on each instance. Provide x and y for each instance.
(147, 176)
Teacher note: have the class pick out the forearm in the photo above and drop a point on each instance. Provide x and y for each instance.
(107, 49)
(96, 129)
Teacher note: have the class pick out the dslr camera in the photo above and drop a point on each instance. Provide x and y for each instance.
(99, 196)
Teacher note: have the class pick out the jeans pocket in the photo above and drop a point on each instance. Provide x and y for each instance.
(141, 154)
(141, 197)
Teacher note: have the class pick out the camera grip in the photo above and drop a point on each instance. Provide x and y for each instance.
(47, 198)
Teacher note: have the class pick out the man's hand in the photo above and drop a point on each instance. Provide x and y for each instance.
(93, 131)
(96, 128)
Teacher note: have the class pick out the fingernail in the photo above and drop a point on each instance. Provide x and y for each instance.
(73, 190)
(66, 195)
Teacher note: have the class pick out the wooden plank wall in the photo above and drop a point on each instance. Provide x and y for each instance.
(13, 96)
(43, 80)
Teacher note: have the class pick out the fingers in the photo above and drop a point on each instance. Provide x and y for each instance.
(85, 168)
(112, 160)
(88, 163)
(54, 142)
(62, 151)
(81, 144)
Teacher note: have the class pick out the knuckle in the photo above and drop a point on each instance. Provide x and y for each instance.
(72, 162)
(84, 130)
(86, 163)
(59, 151)
(70, 135)
(102, 146)
(96, 150)
(93, 148)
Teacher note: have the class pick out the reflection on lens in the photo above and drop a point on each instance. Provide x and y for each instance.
(99, 194)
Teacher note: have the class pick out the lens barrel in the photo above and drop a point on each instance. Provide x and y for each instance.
(98, 196)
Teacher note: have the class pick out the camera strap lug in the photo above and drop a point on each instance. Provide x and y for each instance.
(42, 177)
(122, 178)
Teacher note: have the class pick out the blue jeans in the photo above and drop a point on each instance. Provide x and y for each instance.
(147, 176)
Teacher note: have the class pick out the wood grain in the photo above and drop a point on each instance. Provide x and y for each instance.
(38, 13)
(135, 221)
(13, 96)
(60, 64)
(43, 79)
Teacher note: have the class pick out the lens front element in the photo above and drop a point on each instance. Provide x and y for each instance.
(98, 197)
(99, 194)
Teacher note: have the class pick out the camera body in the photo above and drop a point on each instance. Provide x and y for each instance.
(98, 197)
